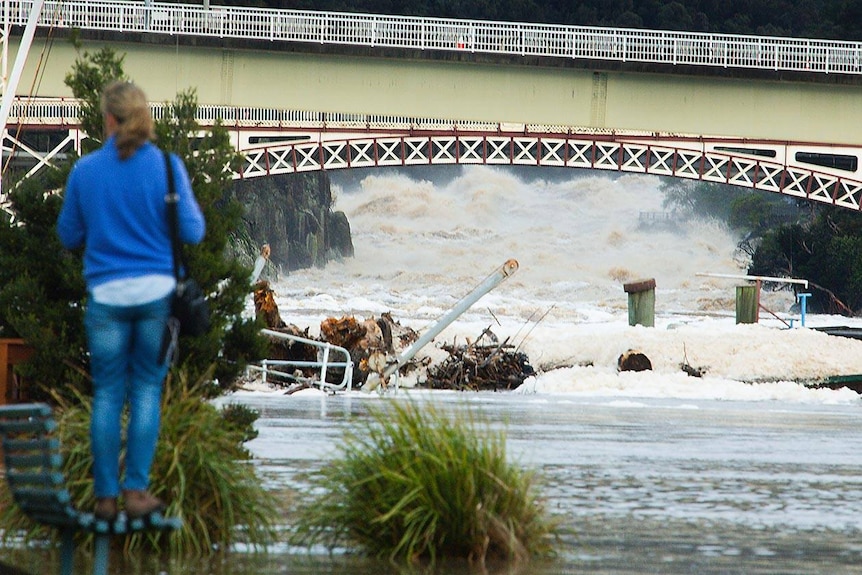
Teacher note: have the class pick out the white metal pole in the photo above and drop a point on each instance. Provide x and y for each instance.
(489, 283)
(12, 86)
(4, 56)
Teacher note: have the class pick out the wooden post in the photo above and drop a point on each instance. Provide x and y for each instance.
(747, 304)
(12, 351)
(641, 302)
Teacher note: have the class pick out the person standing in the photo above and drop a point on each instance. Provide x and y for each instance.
(114, 206)
(260, 263)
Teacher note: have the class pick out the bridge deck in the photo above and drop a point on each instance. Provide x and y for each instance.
(362, 112)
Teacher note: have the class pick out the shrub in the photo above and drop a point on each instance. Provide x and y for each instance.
(420, 485)
(208, 476)
(201, 469)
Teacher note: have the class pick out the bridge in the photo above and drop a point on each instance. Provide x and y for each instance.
(373, 90)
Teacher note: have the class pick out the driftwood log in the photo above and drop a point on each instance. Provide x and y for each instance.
(265, 306)
(633, 360)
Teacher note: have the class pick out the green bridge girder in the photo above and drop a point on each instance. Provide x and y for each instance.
(758, 109)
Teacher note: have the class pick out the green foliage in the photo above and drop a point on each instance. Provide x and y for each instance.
(750, 211)
(232, 341)
(241, 418)
(41, 292)
(204, 468)
(201, 469)
(89, 75)
(756, 212)
(780, 251)
(418, 485)
(827, 251)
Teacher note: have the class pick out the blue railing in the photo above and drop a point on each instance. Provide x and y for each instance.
(511, 38)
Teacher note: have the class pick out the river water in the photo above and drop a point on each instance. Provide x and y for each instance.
(745, 470)
(644, 486)
(640, 486)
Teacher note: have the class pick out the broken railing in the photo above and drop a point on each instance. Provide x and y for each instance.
(744, 315)
(284, 367)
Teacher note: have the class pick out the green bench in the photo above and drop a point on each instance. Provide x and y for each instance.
(34, 472)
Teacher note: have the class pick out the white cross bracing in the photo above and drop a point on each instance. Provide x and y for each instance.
(661, 157)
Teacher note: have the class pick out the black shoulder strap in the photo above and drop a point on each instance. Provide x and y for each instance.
(172, 199)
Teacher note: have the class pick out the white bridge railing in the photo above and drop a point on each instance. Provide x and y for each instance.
(511, 38)
(62, 112)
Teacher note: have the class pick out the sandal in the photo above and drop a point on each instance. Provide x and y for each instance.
(106, 509)
(141, 503)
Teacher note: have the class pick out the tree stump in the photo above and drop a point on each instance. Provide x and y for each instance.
(634, 360)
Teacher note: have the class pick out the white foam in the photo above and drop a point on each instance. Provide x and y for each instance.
(421, 247)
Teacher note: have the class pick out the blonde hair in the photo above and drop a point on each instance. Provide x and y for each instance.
(128, 104)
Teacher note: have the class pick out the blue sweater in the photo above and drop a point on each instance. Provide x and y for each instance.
(116, 209)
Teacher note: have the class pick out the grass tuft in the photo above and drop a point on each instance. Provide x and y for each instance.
(418, 485)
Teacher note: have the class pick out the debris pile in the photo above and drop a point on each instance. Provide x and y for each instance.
(373, 343)
(482, 365)
(370, 342)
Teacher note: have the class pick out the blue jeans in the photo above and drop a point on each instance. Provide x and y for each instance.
(125, 345)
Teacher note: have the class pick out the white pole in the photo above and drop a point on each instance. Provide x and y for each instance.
(489, 283)
(11, 86)
(4, 57)
(755, 278)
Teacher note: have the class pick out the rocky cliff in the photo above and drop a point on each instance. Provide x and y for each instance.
(293, 214)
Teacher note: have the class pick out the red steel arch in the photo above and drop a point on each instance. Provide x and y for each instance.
(764, 165)
(691, 158)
